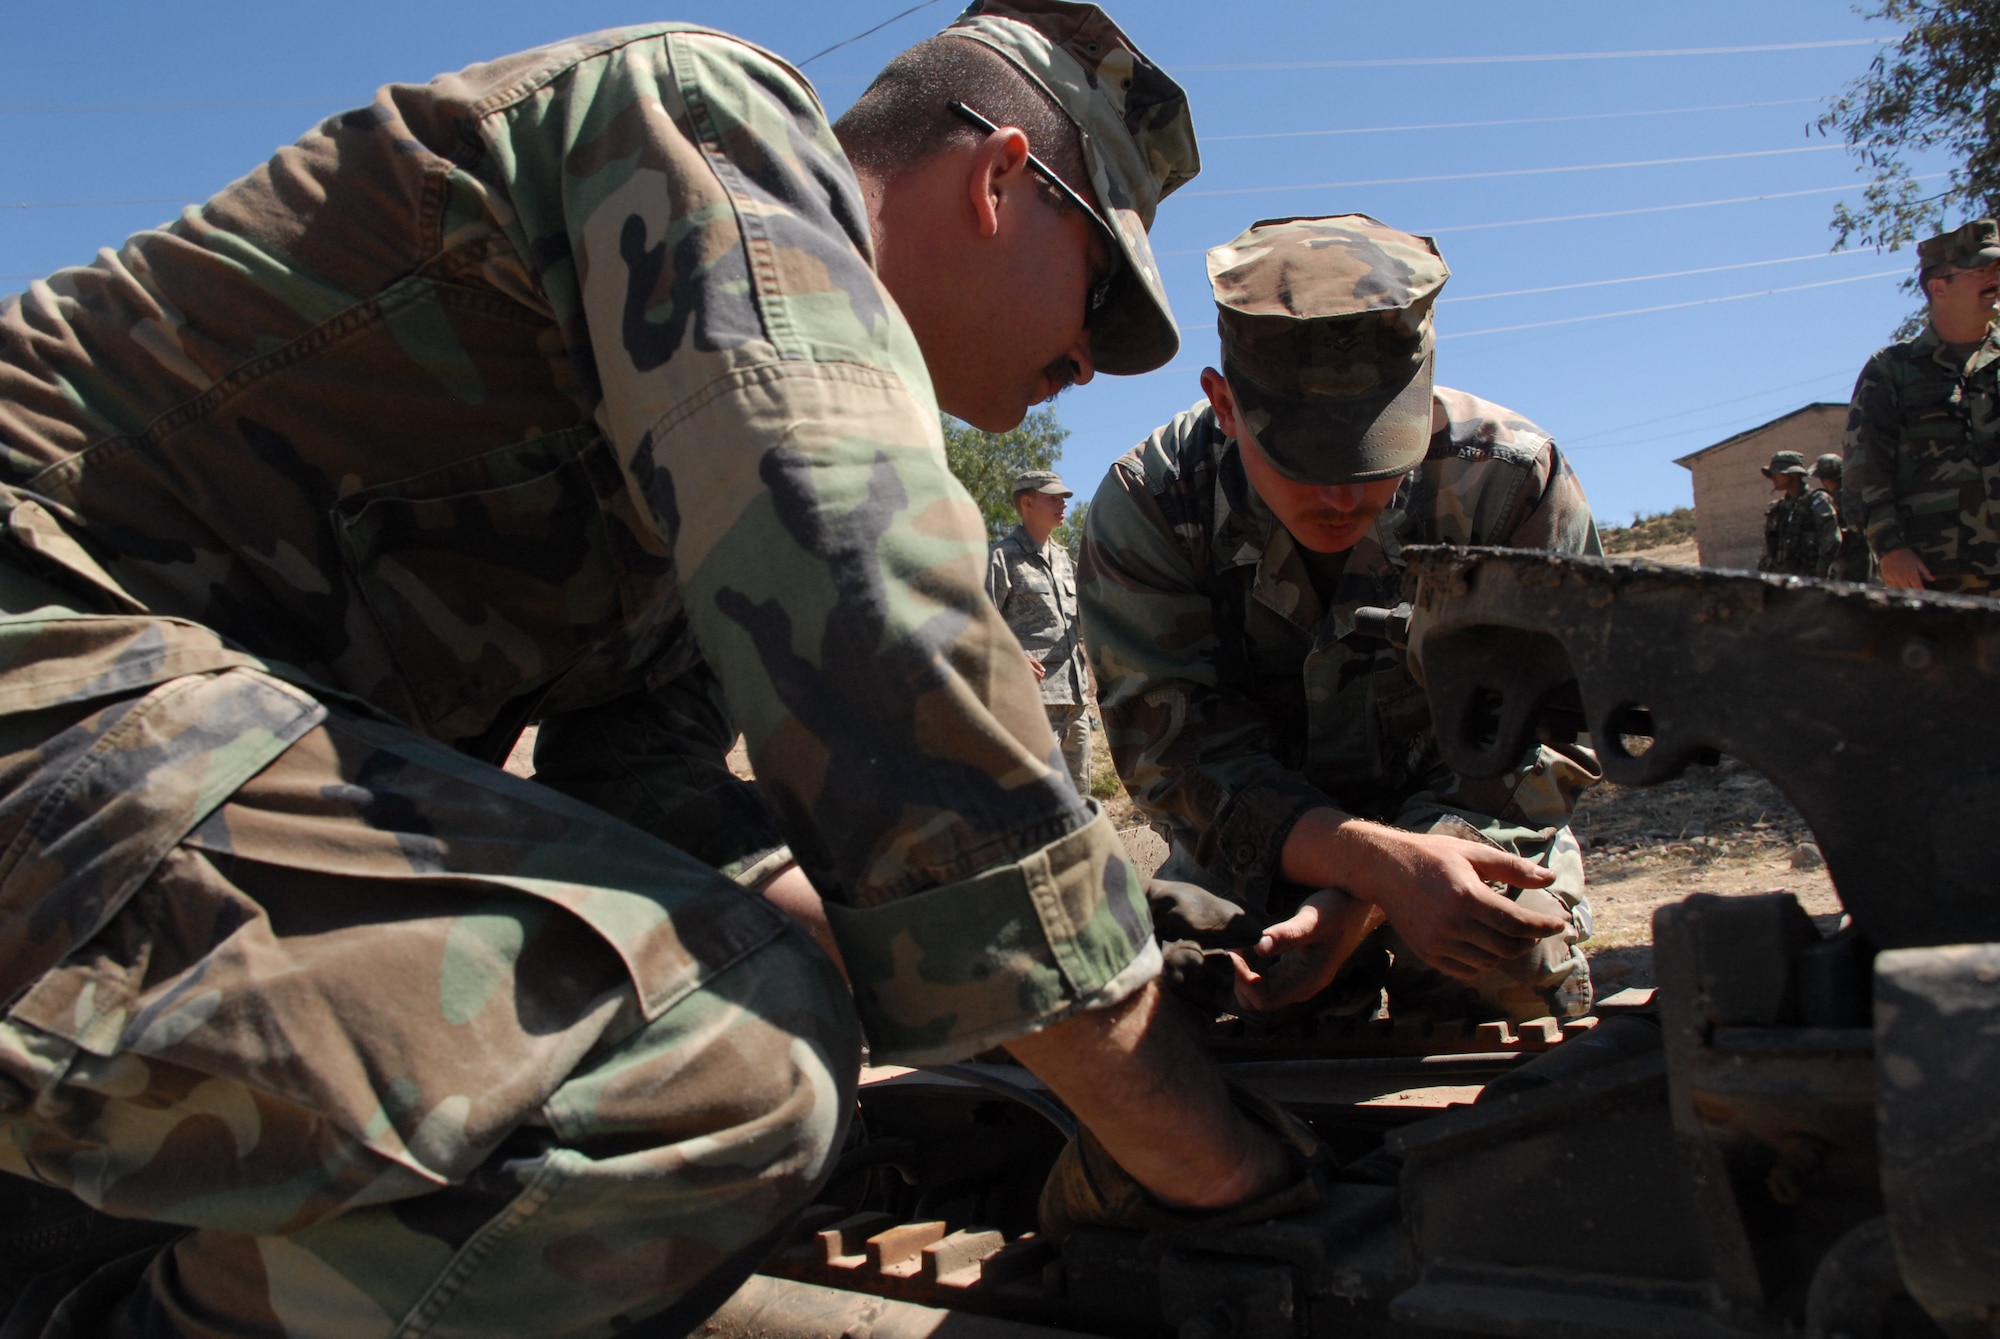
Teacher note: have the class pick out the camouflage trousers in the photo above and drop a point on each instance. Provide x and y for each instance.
(414, 1047)
(1071, 724)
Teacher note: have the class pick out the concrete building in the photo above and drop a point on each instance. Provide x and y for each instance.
(1730, 490)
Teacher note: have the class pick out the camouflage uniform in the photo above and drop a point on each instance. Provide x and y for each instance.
(561, 388)
(1235, 688)
(1923, 459)
(1792, 531)
(1235, 697)
(1922, 467)
(1034, 588)
(1852, 561)
(1801, 535)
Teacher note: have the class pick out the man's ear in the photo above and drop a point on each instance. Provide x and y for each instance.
(998, 166)
(1221, 399)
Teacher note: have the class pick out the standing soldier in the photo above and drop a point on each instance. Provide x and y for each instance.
(1031, 581)
(1290, 755)
(1791, 545)
(1852, 561)
(1923, 433)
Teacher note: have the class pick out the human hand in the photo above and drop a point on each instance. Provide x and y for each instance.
(1087, 1187)
(1904, 570)
(1434, 888)
(1309, 947)
(1438, 893)
(1038, 669)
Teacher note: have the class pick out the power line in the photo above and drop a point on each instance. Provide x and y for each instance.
(93, 204)
(1642, 278)
(926, 4)
(1609, 213)
(1528, 60)
(1668, 306)
(1654, 209)
(75, 108)
(1703, 428)
(1571, 443)
(1522, 171)
(1516, 121)
(1325, 185)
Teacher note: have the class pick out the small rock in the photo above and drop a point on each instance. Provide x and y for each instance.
(1807, 856)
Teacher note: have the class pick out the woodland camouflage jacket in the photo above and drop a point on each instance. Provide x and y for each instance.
(564, 388)
(1923, 459)
(1233, 698)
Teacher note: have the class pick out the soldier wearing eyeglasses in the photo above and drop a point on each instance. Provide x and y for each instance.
(599, 387)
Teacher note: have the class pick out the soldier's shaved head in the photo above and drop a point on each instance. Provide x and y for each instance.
(905, 117)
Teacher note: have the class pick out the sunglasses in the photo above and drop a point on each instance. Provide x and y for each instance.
(1098, 302)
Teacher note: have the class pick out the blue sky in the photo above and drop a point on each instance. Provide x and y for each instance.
(153, 104)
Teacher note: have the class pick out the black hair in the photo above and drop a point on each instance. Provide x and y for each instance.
(904, 118)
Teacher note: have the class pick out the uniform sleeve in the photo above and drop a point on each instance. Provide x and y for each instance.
(1868, 479)
(1192, 748)
(999, 579)
(1554, 514)
(1826, 535)
(706, 250)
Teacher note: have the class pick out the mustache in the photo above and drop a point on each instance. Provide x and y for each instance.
(1061, 372)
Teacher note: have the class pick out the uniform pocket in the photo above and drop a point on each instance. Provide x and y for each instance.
(488, 576)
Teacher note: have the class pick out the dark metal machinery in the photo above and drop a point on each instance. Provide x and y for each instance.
(1800, 1135)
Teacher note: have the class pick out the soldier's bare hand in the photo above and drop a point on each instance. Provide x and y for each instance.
(1436, 890)
(1038, 669)
(1904, 570)
(1309, 947)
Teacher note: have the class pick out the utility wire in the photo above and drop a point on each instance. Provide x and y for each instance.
(1529, 60)
(1668, 306)
(1570, 444)
(1636, 279)
(1521, 171)
(1722, 425)
(1516, 121)
(870, 33)
(1643, 278)
(1608, 213)
(1654, 209)
(93, 204)
(123, 108)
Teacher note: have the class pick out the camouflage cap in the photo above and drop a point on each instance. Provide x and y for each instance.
(1828, 466)
(1785, 462)
(1326, 342)
(1966, 247)
(1041, 481)
(1138, 144)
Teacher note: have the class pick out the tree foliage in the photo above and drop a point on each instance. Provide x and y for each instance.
(1936, 89)
(986, 462)
(1070, 533)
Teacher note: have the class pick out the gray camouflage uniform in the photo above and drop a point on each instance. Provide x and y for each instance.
(560, 388)
(1034, 588)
